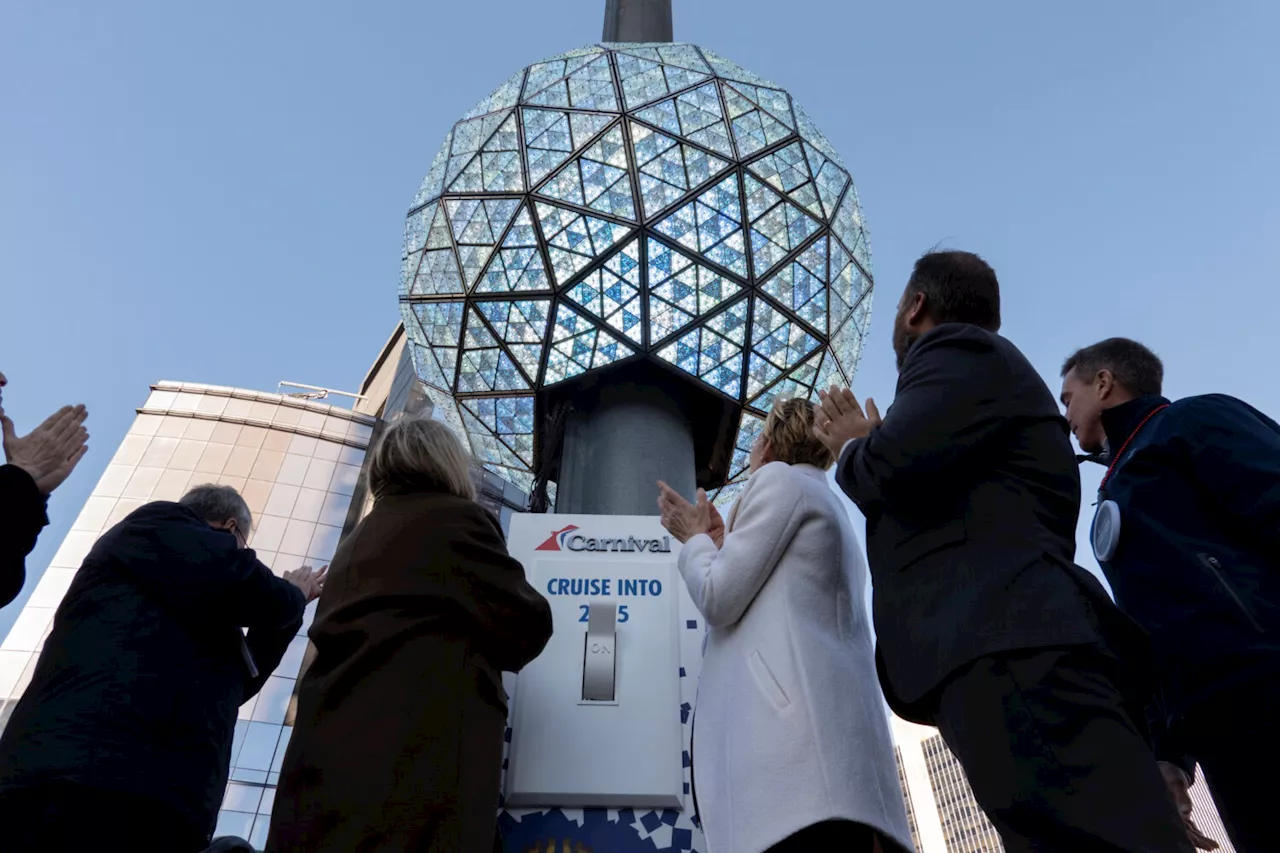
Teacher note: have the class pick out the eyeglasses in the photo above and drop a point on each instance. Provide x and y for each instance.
(240, 537)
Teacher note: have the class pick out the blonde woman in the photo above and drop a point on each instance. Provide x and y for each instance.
(792, 750)
(398, 740)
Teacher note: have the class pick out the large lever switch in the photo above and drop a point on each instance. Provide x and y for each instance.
(599, 665)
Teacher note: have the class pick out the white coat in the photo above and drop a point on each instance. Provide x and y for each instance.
(790, 727)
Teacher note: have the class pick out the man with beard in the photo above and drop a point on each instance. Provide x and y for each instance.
(985, 626)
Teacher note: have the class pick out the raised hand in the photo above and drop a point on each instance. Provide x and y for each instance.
(838, 418)
(310, 581)
(682, 519)
(51, 451)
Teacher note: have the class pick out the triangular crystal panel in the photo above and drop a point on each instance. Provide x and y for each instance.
(518, 264)
(497, 167)
(503, 97)
(485, 445)
(773, 101)
(612, 292)
(510, 419)
(802, 285)
(749, 429)
(730, 70)
(787, 170)
(711, 225)
(577, 346)
(439, 326)
(714, 359)
(575, 239)
(776, 231)
(521, 325)
(777, 345)
(828, 374)
(683, 56)
(681, 290)
(485, 366)
(849, 227)
(645, 78)
(433, 183)
(591, 87)
(436, 274)
(848, 284)
(428, 369)
(477, 225)
(468, 138)
(811, 135)
(669, 168)
(829, 178)
(546, 84)
(753, 128)
(846, 343)
(598, 178)
(799, 382)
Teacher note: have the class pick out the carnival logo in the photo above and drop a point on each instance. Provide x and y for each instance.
(555, 541)
(563, 540)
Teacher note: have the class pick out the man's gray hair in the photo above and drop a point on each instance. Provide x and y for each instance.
(216, 504)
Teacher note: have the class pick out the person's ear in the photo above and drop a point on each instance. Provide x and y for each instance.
(915, 312)
(1104, 384)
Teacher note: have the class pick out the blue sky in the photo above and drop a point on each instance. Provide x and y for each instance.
(216, 192)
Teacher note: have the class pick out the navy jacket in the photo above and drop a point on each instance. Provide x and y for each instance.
(24, 517)
(139, 682)
(1198, 557)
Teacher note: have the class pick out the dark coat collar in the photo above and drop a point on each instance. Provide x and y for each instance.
(1120, 421)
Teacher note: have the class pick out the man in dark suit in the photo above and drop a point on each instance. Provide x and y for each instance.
(985, 626)
(124, 736)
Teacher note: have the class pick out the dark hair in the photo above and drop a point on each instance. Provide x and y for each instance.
(958, 287)
(1137, 369)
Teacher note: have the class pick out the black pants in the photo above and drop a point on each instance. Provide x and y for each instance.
(72, 817)
(832, 836)
(1233, 737)
(1055, 758)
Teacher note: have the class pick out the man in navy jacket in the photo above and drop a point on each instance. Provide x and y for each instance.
(124, 734)
(1188, 534)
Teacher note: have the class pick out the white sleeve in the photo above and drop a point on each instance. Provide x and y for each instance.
(723, 582)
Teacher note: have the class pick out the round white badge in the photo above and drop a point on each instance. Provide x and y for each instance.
(1106, 531)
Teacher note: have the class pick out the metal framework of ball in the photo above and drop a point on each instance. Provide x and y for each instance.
(629, 201)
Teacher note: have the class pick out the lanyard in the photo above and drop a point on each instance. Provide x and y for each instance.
(1116, 460)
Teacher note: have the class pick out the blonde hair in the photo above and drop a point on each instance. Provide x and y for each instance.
(421, 454)
(789, 431)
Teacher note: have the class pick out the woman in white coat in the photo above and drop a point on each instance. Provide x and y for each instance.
(791, 742)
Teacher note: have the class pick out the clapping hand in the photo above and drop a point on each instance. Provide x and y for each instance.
(838, 418)
(309, 580)
(1179, 787)
(684, 520)
(50, 451)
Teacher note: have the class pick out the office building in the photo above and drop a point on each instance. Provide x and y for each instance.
(944, 816)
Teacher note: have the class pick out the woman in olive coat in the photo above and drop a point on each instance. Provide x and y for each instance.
(397, 744)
